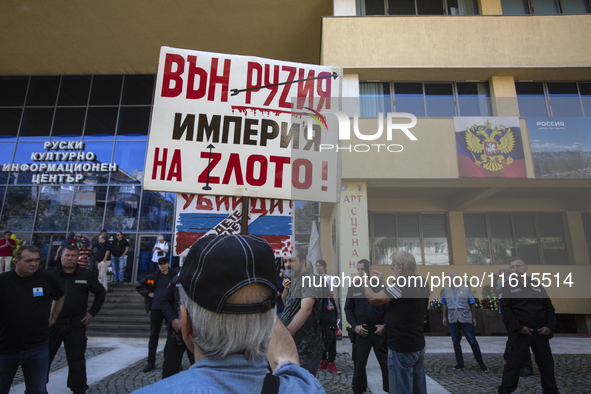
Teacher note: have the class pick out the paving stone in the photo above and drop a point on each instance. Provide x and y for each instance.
(571, 372)
(132, 378)
(60, 361)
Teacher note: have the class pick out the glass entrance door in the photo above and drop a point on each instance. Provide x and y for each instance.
(144, 253)
(48, 244)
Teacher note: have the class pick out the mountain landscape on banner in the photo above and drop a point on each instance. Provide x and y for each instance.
(490, 151)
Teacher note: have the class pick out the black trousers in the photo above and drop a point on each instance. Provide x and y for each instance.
(363, 346)
(73, 334)
(516, 354)
(156, 319)
(330, 345)
(173, 355)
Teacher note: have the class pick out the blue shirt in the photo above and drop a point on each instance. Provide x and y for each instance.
(233, 374)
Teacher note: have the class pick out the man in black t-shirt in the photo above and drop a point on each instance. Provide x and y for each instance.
(408, 297)
(70, 327)
(26, 314)
(153, 287)
(119, 249)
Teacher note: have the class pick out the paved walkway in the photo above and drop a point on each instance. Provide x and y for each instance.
(114, 366)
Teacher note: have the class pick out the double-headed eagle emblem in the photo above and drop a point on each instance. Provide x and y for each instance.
(488, 145)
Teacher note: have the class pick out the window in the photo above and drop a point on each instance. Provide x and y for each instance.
(537, 238)
(431, 99)
(88, 208)
(423, 235)
(374, 98)
(545, 7)
(541, 99)
(110, 114)
(416, 7)
(157, 211)
(53, 211)
(19, 208)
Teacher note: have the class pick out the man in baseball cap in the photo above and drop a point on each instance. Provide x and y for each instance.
(229, 322)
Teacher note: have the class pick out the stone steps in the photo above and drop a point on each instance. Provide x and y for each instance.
(123, 314)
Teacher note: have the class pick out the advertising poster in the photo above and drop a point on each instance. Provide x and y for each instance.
(489, 147)
(243, 126)
(200, 215)
(561, 147)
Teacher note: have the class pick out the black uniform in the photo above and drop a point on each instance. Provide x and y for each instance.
(525, 305)
(25, 308)
(175, 346)
(69, 327)
(155, 283)
(360, 312)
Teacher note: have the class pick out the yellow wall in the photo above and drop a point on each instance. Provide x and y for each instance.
(433, 155)
(459, 47)
(490, 7)
(124, 37)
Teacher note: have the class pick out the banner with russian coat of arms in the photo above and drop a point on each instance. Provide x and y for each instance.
(489, 147)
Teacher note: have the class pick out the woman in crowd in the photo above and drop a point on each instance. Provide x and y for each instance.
(160, 250)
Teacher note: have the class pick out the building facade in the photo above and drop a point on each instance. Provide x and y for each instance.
(81, 79)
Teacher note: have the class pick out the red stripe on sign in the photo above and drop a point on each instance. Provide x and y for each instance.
(325, 171)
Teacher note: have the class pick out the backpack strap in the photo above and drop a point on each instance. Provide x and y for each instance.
(271, 384)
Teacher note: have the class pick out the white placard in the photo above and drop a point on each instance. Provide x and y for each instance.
(243, 126)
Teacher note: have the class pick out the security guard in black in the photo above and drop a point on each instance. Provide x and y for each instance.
(360, 312)
(70, 327)
(530, 319)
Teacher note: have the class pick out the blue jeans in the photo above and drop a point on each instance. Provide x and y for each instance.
(456, 337)
(35, 365)
(118, 264)
(406, 372)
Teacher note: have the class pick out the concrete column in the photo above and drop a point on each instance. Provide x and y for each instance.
(503, 96)
(326, 234)
(490, 7)
(457, 239)
(576, 233)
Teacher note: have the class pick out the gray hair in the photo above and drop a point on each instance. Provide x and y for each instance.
(406, 260)
(219, 335)
(161, 237)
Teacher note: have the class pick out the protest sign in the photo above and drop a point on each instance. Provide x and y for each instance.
(243, 126)
(200, 215)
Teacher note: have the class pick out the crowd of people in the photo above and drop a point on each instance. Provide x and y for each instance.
(221, 310)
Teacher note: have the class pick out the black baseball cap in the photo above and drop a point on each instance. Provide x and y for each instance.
(217, 266)
(162, 260)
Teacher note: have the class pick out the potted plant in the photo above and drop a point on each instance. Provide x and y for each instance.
(489, 318)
